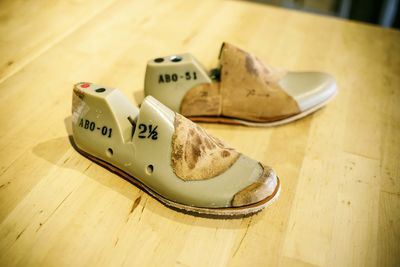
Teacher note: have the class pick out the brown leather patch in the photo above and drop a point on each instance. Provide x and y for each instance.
(250, 89)
(250, 66)
(196, 155)
(202, 100)
(259, 190)
(77, 97)
(79, 107)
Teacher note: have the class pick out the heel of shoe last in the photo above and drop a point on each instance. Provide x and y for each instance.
(169, 78)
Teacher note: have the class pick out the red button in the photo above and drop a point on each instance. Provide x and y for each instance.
(85, 85)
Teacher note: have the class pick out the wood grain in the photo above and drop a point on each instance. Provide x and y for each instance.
(29, 28)
(339, 168)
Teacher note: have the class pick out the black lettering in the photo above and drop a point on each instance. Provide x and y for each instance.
(104, 130)
(153, 132)
(148, 131)
(91, 125)
(167, 78)
(143, 129)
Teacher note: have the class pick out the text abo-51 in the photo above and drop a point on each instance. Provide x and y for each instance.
(175, 77)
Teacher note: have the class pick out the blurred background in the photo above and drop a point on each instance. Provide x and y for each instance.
(381, 12)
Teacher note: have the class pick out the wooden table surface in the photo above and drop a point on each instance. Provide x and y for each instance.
(340, 169)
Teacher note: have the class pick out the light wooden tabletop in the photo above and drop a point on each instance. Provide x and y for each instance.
(340, 167)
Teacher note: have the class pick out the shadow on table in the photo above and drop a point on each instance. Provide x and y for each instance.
(61, 145)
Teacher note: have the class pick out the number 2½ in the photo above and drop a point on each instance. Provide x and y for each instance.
(152, 132)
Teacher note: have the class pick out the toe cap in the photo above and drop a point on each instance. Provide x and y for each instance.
(265, 186)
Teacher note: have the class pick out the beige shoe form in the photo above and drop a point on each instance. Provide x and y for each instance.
(242, 91)
(170, 157)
